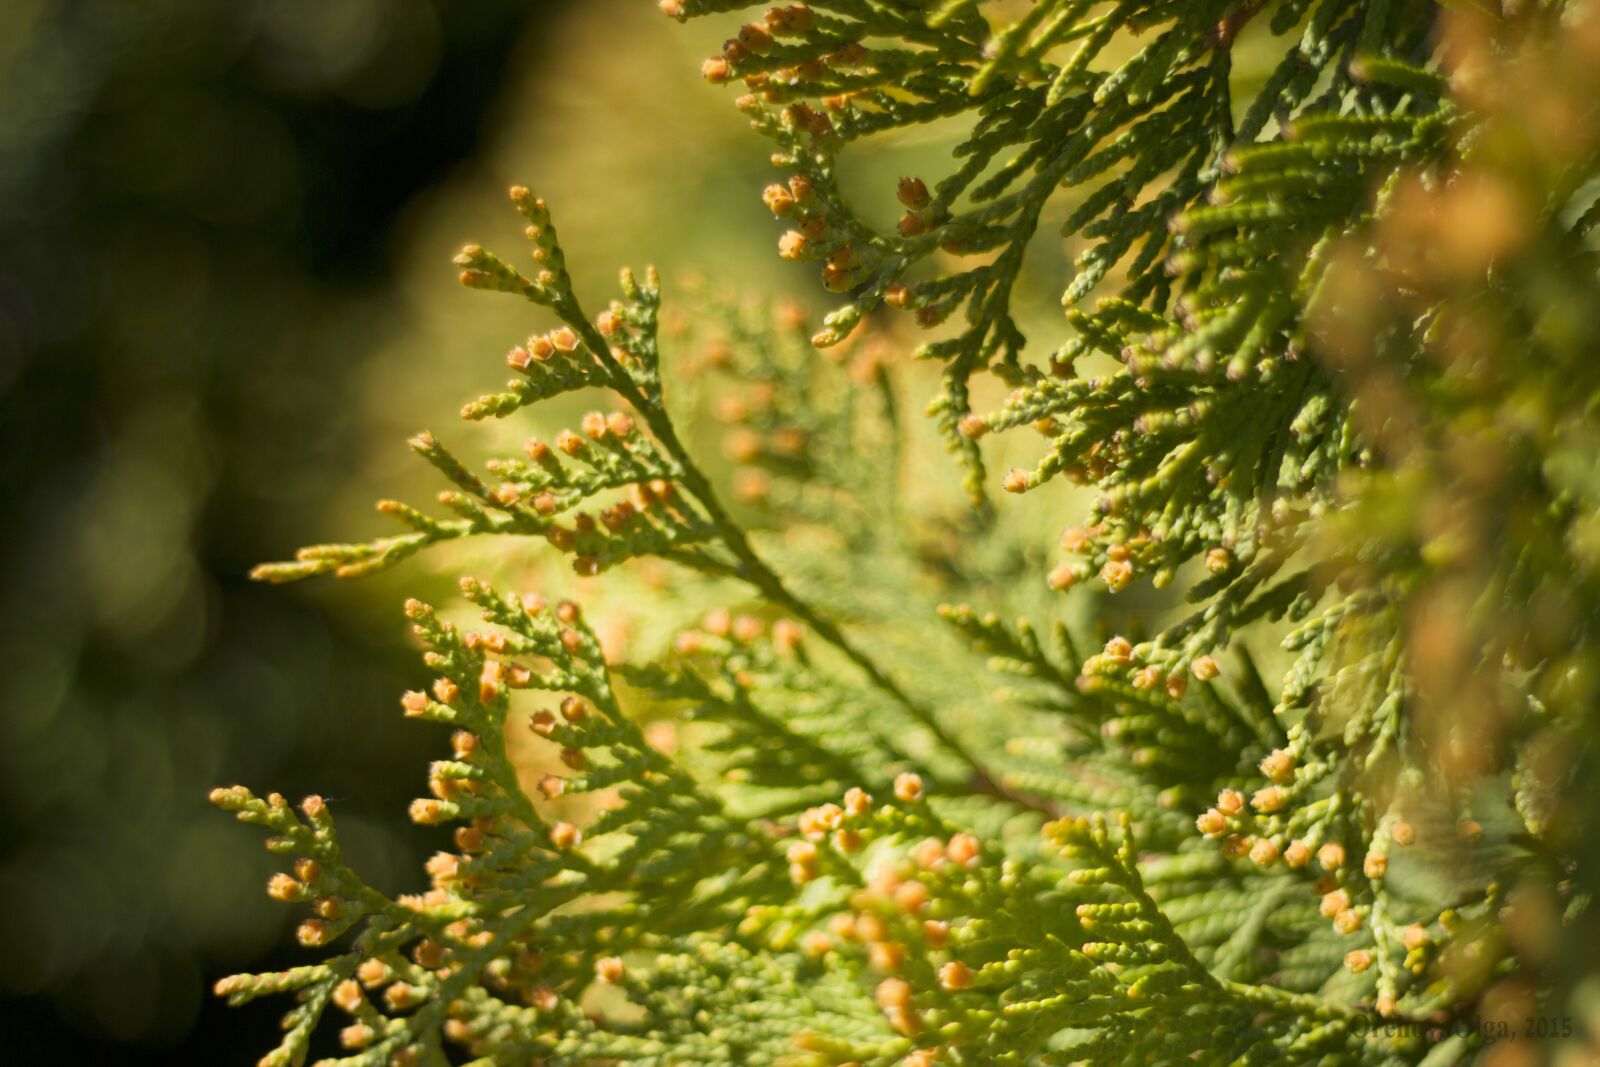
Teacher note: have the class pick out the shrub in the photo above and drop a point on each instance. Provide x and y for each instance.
(1336, 388)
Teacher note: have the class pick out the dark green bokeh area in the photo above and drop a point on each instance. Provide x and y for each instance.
(195, 204)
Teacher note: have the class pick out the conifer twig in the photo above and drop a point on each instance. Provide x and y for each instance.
(754, 570)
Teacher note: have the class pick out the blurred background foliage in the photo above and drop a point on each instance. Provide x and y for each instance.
(200, 216)
(225, 301)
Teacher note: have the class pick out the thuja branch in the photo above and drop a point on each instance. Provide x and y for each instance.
(650, 405)
(678, 515)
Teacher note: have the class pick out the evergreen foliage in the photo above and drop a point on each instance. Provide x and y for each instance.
(1337, 388)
